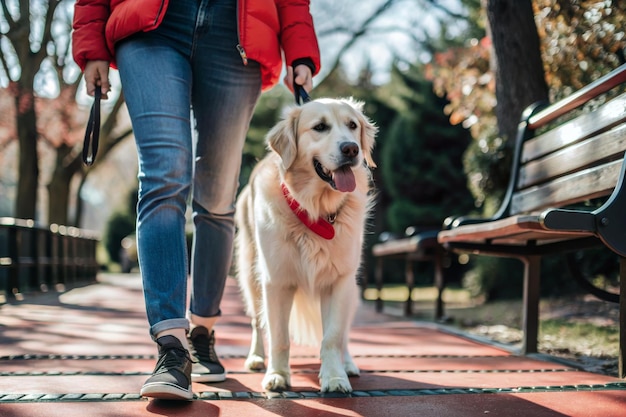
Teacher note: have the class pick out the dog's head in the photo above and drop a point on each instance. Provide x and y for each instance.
(331, 137)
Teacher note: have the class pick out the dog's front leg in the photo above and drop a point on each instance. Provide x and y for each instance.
(277, 302)
(256, 358)
(348, 363)
(338, 307)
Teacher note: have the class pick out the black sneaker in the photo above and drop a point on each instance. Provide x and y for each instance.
(171, 378)
(206, 365)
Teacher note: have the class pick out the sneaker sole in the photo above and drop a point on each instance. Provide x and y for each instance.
(208, 377)
(166, 392)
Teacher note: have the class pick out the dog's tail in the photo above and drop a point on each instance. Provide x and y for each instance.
(305, 322)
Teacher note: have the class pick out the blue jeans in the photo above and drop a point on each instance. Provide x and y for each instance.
(188, 67)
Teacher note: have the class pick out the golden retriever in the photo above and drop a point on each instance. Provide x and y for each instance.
(300, 222)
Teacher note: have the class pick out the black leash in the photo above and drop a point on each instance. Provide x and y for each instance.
(92, 134)
(300, 93)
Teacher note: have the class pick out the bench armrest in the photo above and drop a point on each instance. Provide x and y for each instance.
(567, 219)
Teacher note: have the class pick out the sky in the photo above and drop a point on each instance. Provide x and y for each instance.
(390, 38)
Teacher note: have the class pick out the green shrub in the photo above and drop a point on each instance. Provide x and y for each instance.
(119, 226)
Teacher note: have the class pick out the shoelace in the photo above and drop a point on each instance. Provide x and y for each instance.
(204, 347)
(172, 358)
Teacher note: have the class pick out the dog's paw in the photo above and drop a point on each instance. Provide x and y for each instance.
(335, 384)
(274, 381)
(351, 369)
(255, 363)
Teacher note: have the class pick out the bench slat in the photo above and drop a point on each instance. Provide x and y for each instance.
(418, 243)
(611, 114)
(607, 146)
(600, 86)
(511, 230)
(581, 186)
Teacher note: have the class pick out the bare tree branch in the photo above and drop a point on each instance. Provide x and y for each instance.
(24, 10)
(47, 33)
(5, 64)
(364, 25)
(121, 136)
(107, 141)
(105, 147)
(111, 119)
(60, 59)
(437, 5)
(7, 15)
(19, 34)
(358, 33)
(67, 21)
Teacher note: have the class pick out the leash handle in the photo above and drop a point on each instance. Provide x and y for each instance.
(300, 93)
(92, 134)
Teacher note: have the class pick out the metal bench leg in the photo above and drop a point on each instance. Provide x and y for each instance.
(410, 284)
(379, 284)
(622, 319)
(532, 271)
(13, 286)
(439, 283)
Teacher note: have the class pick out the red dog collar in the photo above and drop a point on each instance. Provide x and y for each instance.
(321, 227)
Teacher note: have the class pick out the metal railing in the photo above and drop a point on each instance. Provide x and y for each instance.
(38, 258)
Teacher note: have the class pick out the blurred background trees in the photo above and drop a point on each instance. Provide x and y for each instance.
(579, 41)
(42, 143)
(421, 157)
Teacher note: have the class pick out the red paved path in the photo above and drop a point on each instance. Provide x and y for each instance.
(86, 353)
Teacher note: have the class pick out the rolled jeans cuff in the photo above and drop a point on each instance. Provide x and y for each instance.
(167, 325)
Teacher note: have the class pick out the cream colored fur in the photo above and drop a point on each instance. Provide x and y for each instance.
(296, 283)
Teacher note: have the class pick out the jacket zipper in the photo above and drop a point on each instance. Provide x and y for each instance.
(156, 19)
(242, 51)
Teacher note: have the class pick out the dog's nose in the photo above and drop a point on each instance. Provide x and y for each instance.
(349, 149)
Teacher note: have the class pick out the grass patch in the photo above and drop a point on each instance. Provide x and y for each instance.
(399, 293)
(558, 335)
(577, 328)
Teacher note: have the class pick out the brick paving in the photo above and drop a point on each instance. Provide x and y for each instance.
(86, 352)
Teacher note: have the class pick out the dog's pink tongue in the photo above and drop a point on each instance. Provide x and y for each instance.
(344, 179)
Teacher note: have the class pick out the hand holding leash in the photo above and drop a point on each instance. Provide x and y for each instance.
(300, 93)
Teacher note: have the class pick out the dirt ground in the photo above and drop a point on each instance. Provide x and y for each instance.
(500, 322)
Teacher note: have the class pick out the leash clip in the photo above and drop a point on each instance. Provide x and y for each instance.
(92, 134)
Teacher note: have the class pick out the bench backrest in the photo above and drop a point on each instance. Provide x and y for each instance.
(573, 162)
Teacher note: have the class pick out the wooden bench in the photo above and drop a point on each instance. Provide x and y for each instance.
(416, 246)
(554, 173)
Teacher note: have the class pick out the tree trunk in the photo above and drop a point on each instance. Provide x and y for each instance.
(19, 38)
(69, 164)
(78, 214)
(518, 66)
(28, 171)
(59, 187)
(59, 197)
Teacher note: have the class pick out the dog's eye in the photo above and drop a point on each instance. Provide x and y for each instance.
(352, 125)
(320, 127)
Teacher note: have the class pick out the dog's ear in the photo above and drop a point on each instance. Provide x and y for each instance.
(368, 139)
(282, 137)
(368, 132)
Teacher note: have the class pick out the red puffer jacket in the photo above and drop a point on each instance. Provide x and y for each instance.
(264, 27)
